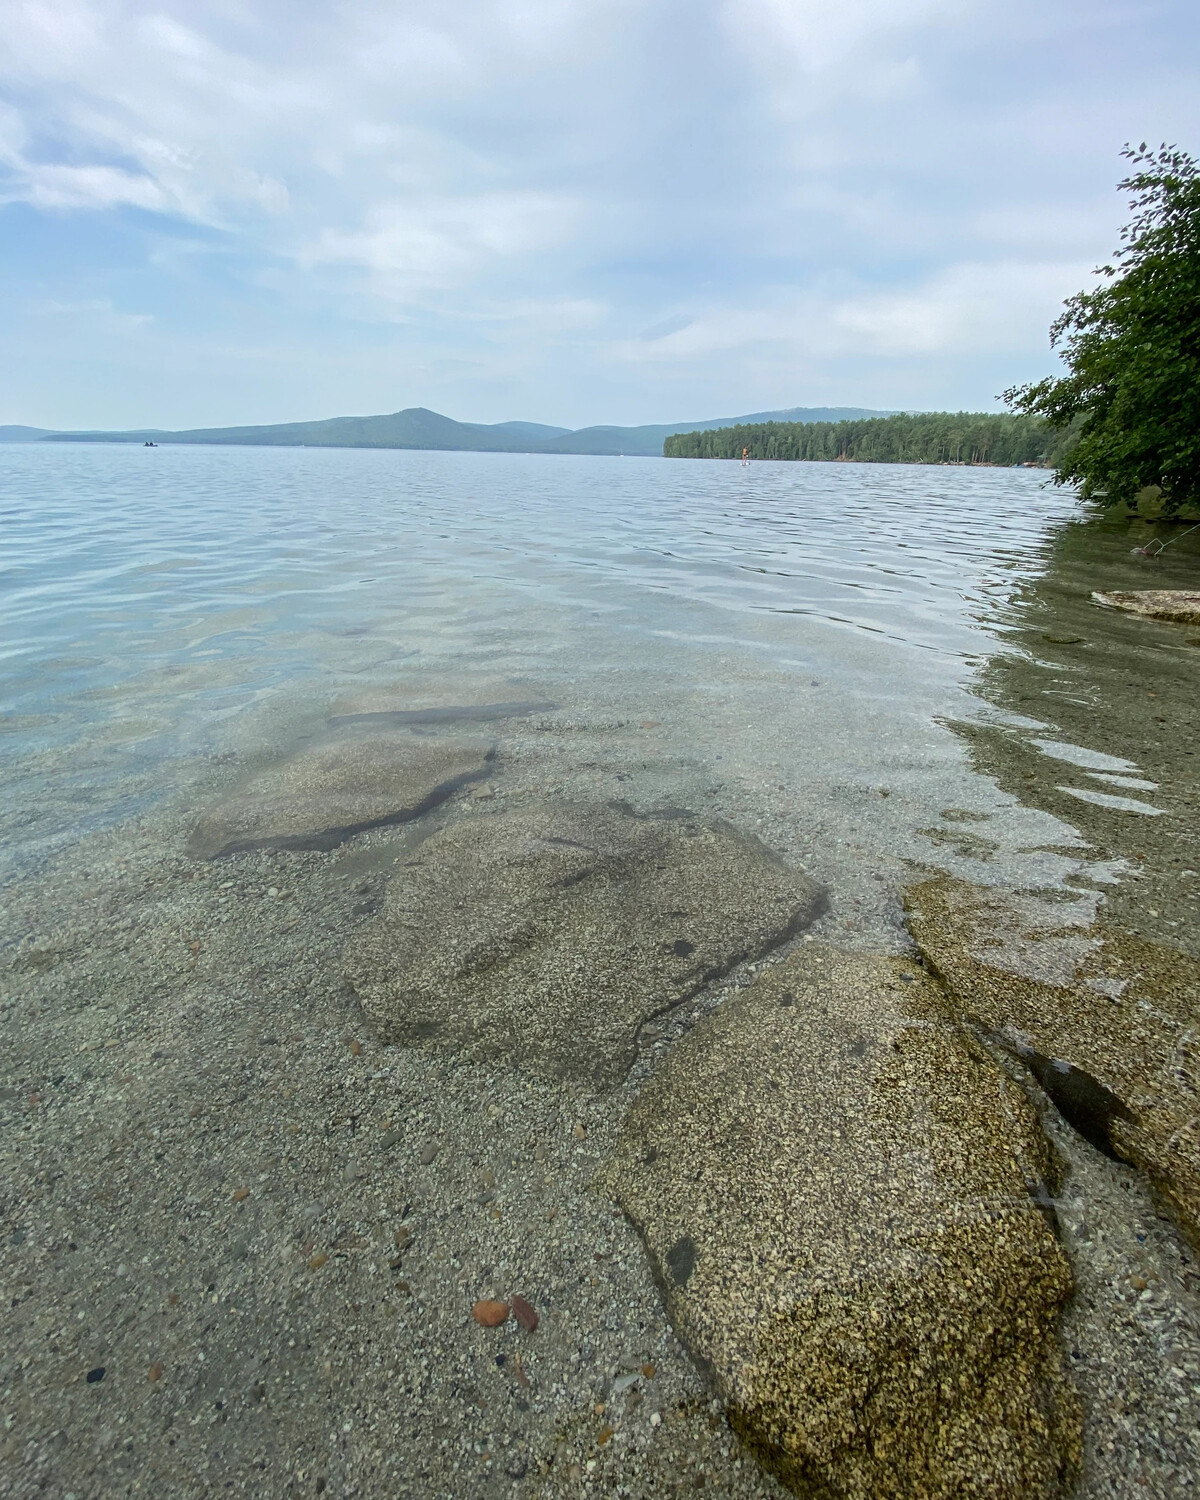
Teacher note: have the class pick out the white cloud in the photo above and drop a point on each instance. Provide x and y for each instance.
(425, 243)
(47, 185)
(616, 198)
(817, 36)
(998, 306)
(99, 311)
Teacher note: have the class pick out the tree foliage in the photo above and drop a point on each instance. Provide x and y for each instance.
(922, 438)
(1132, 349)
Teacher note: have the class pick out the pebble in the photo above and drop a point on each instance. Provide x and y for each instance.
(579, 1132)
(428, 1152)
(94, 1375)
(525, 1314)
(389, 1139)
(490, 1314)
(155, 1371)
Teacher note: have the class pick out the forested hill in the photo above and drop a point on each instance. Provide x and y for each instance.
(925, 438)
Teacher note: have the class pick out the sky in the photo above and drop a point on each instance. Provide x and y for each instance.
(568, 211)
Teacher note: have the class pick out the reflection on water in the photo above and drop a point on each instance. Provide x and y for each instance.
(155, 599)
(1114, 696)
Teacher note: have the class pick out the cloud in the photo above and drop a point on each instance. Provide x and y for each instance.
(422, 243)
(99, 312)
(616, 203)
(1000, 306)
(47, 185)
(816, 37)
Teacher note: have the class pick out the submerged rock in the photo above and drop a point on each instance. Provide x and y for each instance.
(546, 937)
(1105, 1020)
(837, 1193)
(322, 796)
(406, 702)
(1180, 605)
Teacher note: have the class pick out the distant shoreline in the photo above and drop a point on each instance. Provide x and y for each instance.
(418, 428)
(948, 439)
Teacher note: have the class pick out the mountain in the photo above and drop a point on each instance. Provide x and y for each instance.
(417, 427)
(32, 434)
(536, 432)
(414, 428)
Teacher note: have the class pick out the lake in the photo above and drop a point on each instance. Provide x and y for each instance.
(805, 623)
(264, 1233)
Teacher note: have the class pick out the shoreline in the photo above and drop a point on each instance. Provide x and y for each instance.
(242, 1173)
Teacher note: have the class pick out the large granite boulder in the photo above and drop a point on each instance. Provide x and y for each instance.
(322, 796)
(546, 937)
(1106, 1020)
(839, 1196)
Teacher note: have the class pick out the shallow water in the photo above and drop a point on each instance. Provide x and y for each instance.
(215, 1165)
(181, 602)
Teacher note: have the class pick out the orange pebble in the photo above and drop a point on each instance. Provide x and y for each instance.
(490, 1314)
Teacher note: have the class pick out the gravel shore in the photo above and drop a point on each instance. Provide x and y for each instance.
(243, 1239)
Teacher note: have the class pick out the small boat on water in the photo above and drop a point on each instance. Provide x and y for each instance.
(149, 445)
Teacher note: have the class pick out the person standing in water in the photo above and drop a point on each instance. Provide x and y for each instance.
(745, 457)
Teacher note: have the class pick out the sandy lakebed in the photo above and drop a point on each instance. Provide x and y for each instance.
(874, 1172)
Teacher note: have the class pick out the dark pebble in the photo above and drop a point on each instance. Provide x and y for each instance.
(94, 1375)
(525, 1314)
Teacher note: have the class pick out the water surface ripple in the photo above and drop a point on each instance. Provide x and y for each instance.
(150, 586)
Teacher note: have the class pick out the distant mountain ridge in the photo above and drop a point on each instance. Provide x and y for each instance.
(417, 427)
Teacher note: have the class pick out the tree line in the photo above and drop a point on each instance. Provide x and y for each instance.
(922, 438)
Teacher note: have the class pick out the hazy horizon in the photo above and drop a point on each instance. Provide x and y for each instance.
(465, 421)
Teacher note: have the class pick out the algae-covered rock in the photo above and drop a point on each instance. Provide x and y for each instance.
(545, 937)
(1180, 605)
(322, 796)
(1107, 1020)
(837, 1193)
